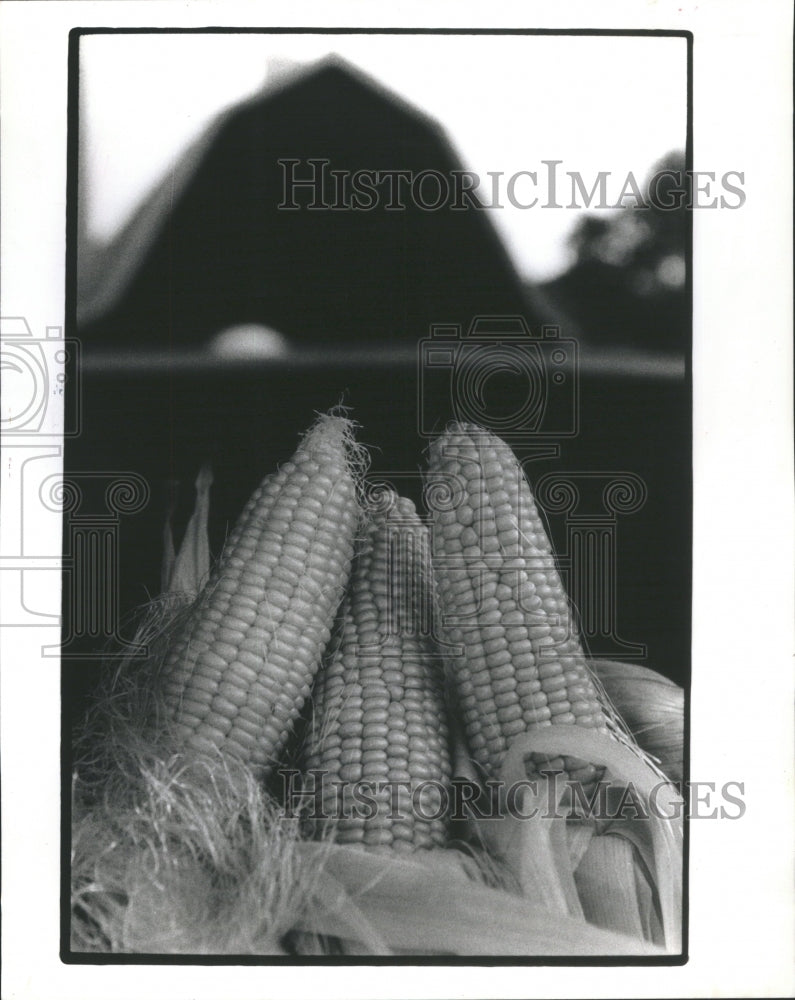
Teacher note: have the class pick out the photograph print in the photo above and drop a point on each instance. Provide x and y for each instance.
(377, 496)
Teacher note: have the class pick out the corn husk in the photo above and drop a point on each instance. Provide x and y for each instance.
(546, 850)
(185, 573)
(613, 902)
(428, 905)
(651, 706)
(197, 860)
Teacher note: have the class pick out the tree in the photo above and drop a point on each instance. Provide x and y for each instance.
(628, 284)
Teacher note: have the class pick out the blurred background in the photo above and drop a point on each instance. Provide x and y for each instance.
(506, 103)
(213, 324)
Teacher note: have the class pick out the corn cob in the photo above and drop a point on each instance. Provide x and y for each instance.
(379, 703)
(242, 667)
(520, 663)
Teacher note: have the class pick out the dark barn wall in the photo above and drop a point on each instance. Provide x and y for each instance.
(227, 253)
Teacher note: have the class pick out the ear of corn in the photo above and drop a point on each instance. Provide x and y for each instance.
(242, 667)
(379, 714)
(235, 679)
(521, 664)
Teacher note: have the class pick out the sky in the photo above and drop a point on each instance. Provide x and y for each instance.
(507, 103)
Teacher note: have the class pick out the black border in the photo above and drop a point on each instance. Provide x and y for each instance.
(69, 957)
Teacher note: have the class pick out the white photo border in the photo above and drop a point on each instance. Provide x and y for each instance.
(741, 873)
